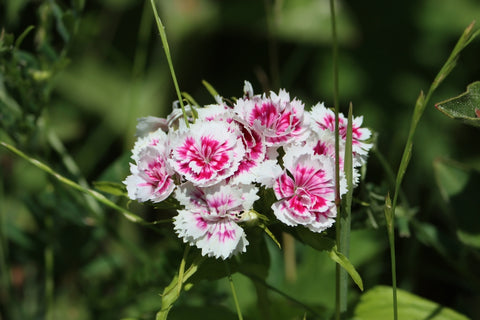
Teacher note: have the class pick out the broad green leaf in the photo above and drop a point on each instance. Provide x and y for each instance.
(376, 304)
(451, 177)
(465, 107)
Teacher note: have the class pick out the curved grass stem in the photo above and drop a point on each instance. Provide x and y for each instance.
(468, 35)
(234, 292)
(342, 230)
(166, 48)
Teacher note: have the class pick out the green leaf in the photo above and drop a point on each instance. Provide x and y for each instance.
(451, 177)
(465, 107)
(376, 304)
(342, 260)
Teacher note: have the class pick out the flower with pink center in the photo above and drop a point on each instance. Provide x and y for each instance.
(324, 119)
(255, 153)
(151, 176)
(209, 220)
(215, 112)
(253, 141)
(207, 152)
(279, 119)
(156, 138)
(306, 191)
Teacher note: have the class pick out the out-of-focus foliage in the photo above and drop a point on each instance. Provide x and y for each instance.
(73, 84)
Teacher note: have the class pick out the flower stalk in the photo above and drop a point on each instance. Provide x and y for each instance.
(342, 225)
(166, 48)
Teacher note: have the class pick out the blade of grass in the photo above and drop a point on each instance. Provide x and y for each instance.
(73, 168)
(166, 48)
(344, 216)
(181, 271)
(5, 288)
(234, 292)
(49, 268)
(340, 294)
(97, 196)
(422, 101)
(391, 239)
(420, 105)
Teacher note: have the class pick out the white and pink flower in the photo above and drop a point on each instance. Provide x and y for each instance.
(211, 215)
(151, 177)
(253, 141)
(279, 119)
(157, 138)
(207, 152)
(216, 161)
(306, 191)
(324, 119)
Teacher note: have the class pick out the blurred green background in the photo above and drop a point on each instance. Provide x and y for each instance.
(70, 94)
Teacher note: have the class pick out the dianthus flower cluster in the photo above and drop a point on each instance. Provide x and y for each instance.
(215, 165)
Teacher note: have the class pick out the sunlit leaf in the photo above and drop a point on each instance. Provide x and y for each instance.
(464, 107)
(376, 304)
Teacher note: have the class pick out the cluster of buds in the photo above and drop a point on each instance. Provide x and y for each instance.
(215, 162)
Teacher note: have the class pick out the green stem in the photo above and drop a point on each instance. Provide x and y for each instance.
(389, 217)
(96, 195)
(73, 168)
(422, 101)
(5, 290)
(234, 292)
(420, 105)
(48, 255)
(340, 292)
(272, 20)
(166, 48)
(181, 271)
